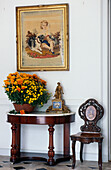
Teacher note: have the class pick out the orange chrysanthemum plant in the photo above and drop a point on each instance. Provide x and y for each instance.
(26, 89)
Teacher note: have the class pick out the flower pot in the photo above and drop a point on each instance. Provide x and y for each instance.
(26, 107)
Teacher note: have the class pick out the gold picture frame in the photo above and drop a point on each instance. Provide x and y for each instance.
(56, 105)
(43, 38)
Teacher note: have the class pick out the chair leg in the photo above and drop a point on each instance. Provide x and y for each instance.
(100, 155)
(74, 154)
(81, 151)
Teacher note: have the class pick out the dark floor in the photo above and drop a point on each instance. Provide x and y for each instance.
(37, 165)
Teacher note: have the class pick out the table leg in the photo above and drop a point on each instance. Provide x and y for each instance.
(100, 155)
(18, 139)
(67, 139)
(14, 145)
(51, 147)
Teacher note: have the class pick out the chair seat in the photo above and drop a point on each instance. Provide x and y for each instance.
(86, 137)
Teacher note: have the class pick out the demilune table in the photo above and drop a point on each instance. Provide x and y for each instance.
(40, 118)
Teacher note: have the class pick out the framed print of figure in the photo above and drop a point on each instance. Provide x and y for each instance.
(42, 38)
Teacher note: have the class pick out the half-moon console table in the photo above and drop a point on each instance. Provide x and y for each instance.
(40, 118)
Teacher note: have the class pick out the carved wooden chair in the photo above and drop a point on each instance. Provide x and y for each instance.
(90, 111)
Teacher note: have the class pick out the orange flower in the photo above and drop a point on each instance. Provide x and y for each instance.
(21, 74)
(15, 83)
(20, 81)
(7, 89)
(17, 76)
(22, 112)
(18, 89)
(16, 73)
(13, 87)
(23, 87)
(9, 76)
(43, 82)
(6, 82)
(34, 76)
(13, 77)
(24, 75)
(12, 81)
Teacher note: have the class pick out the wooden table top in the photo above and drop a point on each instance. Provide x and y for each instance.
(41, 118)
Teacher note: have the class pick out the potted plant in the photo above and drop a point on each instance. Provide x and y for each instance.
(26, 91)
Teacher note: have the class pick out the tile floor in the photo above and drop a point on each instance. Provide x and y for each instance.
(37, 165)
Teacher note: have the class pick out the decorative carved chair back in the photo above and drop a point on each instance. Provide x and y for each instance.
(91, 112)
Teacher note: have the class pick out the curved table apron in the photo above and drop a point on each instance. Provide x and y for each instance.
(41, 118)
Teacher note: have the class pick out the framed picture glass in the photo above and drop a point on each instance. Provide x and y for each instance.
(91, 113)
(56, 104)
(42, 38)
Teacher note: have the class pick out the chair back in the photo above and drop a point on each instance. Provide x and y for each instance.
(91, 112)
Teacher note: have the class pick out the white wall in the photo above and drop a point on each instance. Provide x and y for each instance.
(87, 76)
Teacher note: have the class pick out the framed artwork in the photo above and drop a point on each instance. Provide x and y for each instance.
(42, 38)
(56, 104)
(91, 113)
